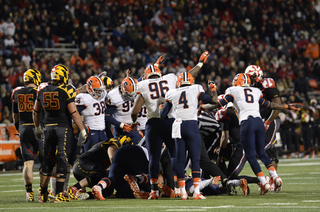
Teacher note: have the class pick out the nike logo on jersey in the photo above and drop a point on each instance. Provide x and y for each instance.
(92, 133)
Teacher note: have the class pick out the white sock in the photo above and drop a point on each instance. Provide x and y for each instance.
(66, 182)
(53, 182)
(204, 183)
(262, 180)
(273, 174)
(183, 190)
(235, 182)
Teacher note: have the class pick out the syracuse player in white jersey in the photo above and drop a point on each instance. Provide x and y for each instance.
(184, 101)
(151, 92)
(120, 101)
(246, 101)
(92, 106)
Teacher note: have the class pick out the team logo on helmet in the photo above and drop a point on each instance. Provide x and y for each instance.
(95, 87)
(32, 76)
(241, 80)
(128, 88)
(255, 72)
(60, 73)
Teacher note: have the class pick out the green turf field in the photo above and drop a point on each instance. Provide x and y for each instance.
(301, 192)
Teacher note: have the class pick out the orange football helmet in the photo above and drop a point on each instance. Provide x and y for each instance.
(95, 87)
(128, 88)
(185, 78)
(152, 70)
(254, 72)
(241, 80)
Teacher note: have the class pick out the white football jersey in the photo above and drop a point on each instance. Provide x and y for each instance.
(245, 101)
(142, 118)
(93, 114)
(153, 92)
(184, 101)
(123, 111)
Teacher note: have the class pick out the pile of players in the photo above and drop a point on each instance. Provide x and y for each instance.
(158, 133)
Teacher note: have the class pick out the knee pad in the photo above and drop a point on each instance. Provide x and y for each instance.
(61, 172)
(93, 179)
(46, 168)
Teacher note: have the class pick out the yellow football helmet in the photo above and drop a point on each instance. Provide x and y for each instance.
(32, 76)
(60, 73)
(107, 82)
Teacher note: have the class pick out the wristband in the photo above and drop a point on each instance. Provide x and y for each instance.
(200, 64)
(83, 133)
(121, 125)
(156, 64)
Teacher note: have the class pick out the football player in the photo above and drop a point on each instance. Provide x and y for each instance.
(271, 117)
(129, 159)
(91, 166)
(23, 98)
(185, 128)
(246, 100)
(151, 92)
(56, 98)
(120, 101)
(92, 106)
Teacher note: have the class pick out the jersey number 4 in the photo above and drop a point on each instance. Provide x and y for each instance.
(183, 100)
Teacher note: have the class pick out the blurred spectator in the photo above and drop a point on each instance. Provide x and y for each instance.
(8, 27)
(312, 50)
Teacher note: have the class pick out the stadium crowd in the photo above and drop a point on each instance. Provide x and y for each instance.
(282, 37)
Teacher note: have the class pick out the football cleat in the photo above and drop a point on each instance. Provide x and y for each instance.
(177, 192)
(44, 198)
(244, 186)
(61, 197)
(154, 194)
(83, 196)
(184, 196)
(198, 196)
(30, 197)
(97, 193)
(264, 188)
(231, 190)
(277, 184)
(215, 180)
(166, 190)
(50, 193)
(132, 182)
(141, 195)
(72, 193)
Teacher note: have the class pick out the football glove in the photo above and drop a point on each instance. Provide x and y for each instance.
(84, 135)
(266, 125)
(212, 85)
(204, 57)
(126, 127)
(159, 61)
(121, 141)
(293, 106)
(39, 133)
(135, 125)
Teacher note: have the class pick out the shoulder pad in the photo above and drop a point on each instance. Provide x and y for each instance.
(221, 114)
(268, 83)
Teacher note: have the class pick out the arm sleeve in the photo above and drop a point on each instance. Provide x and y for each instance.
(225, 100)
(205, 98)
(264, 103)
(165, 110)
(80, 108)
(109, 118)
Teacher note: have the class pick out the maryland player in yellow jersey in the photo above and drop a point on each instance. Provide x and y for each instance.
(56, 98)
(23, 98)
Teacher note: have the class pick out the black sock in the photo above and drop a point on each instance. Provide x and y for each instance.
(44, 189)
(59, 187)
(29, 187)
(78, 186)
